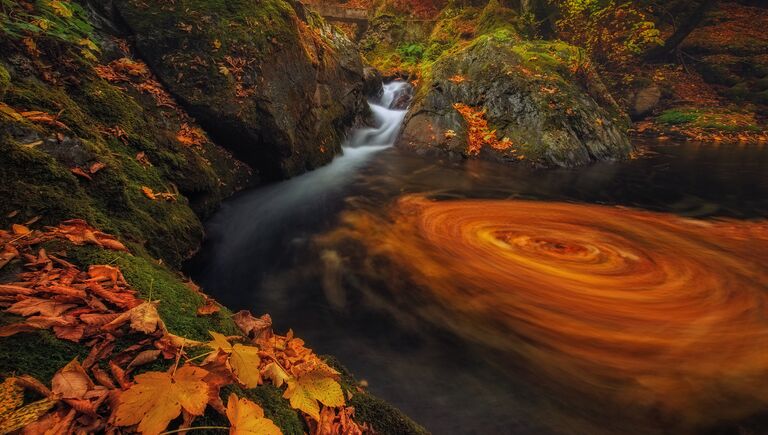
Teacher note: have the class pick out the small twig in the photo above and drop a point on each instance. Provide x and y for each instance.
(201, 355)
(178, 358)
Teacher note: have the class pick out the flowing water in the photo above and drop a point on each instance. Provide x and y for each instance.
(627, 297)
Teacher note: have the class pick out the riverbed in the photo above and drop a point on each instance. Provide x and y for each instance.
(622, 297)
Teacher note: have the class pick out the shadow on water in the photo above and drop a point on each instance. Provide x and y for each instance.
(261, 255)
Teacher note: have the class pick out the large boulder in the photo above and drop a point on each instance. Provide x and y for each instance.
(522, 99)
(268, 79)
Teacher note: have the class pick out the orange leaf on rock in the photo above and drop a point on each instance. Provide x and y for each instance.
(305, 391)
(148, 193)
(209, 308)
(96, 167)
(20, 230)
(157, 398)
(247, 418)
(276, 374)
(81, 173)
(243, 359)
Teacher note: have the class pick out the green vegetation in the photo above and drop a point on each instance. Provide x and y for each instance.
(677, 116)
(54, 20)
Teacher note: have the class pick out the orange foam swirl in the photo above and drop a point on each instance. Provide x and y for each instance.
(649, 307)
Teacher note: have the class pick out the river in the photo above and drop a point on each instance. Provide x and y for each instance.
(623, 297)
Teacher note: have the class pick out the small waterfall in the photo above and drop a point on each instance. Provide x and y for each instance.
(255, 224)
(388, 114)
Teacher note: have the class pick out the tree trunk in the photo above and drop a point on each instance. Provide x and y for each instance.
(692, 20)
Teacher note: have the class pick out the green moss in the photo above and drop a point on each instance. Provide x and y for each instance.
(39, 354)
(383, 417)
(178, 303)
(5, 81)
(677, 117)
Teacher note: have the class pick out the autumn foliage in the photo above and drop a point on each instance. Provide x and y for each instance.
(97, 307)
(478, 132)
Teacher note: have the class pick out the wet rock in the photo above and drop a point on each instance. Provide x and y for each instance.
(644, 101)
(372, 83)
(269, 80)
(402, 98)
(530, 95)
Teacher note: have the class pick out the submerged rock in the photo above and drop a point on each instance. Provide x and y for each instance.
(269, 80)
(533, 95)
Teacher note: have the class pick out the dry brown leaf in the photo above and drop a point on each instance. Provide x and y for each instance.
(252, 326)
(71, 382)
(144, 357)
(46, 307)
(144, 318)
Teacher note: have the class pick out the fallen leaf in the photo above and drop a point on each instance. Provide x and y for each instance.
(71, 381)
(144, 318)
(246, 417)
(46, 307)
(157, 398)
(80, 173)
(144, 357)
(20, 230)
(304, 393)
(142, 158)
(148, 193)
(276, 374)
(96, 167)
(209, 308)
(252, 326)
(243, 359)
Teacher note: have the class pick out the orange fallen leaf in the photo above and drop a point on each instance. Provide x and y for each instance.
(247, 418)
(81, 173)
(96, 167)
(306, 391)
(157, 398)
(243, 359)
(209, 308)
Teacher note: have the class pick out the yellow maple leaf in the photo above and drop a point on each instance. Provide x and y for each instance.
(157, 398)
(247, 417)
(276, 374)
(243, 359)
(305, 391)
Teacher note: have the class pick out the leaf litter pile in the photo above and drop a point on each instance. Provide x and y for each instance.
(96, 307)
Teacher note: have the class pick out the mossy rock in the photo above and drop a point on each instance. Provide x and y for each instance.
(235, 57)
(37, 159)
(532, 92)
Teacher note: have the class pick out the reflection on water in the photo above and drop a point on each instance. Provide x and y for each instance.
(545, 309)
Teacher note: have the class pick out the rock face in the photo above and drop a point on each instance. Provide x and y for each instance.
(644, 101)
(267, 79)
(535, 101)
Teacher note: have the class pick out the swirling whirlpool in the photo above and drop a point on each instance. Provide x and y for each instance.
(646, 307)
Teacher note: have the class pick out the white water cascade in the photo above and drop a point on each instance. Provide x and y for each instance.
(297, 202)
(387, 119)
